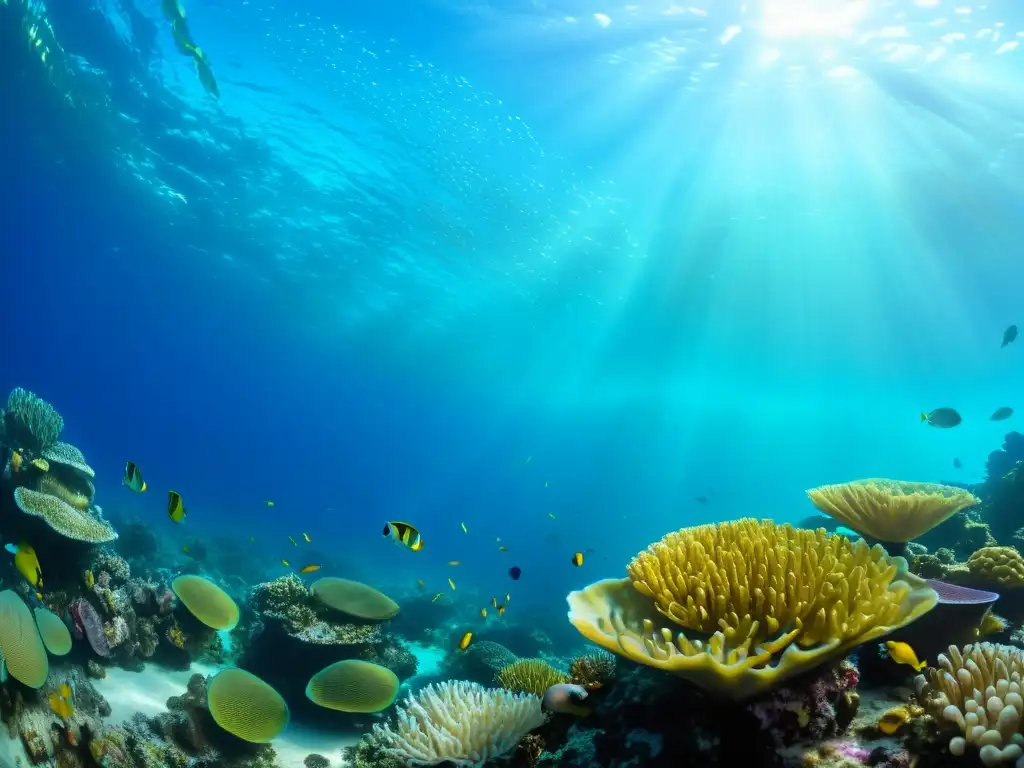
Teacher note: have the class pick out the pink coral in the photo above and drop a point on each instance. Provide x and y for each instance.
(89, 621)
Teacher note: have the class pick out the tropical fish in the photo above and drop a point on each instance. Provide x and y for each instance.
(306, 537)
(293, 541)
(501, 610)
(502, 548)
(577, 559)
(464, 528)
(989, 624)
(285, 563)
(454, 562)
(175, 506)
(451, 583)
(893, 720)
(508, 596)
(26, 563)
(41, 464)
(483, 612)
(437, 597)
(185, 549)
(88, 579)
(421, 583)
(465, 641)
(404, 534)
(1009, 335)
(270, 503)
(551, 515)
(16, 461)
(565, 698)
(133, 477)
(60, 702)
(309, 568)
(1001, 414)
(902, 653)
(957, 464)
(515, 572)
(494, 601)
(944, 418)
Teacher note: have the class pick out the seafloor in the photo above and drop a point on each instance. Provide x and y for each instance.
(884, 631)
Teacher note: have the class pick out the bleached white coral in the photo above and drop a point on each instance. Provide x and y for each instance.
(460, 722)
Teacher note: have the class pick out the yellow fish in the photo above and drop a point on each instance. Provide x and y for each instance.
(451, 583)
(41, 464)
(465, 641)
(502, 548)
(454, 562)
(404, 535)
(185, 549)
(902, 653)
(205, 73)
(309, 568)
(16, 461)
(133, 477)
(437, 597)
(60, 702)
(501, 610)
(294, 543)
(464, 528)
(577, 559)
(893, 720)
(483, 612)
(88, 579)
(285, 563)
(306, 537)
(494, 601)
(508, 596)
(175, 506)
(270, 503)
(26, 563)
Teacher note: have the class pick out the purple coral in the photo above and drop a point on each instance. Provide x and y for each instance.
(957, 595)
(89, 621)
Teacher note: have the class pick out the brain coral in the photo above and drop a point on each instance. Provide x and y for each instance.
(978, 691)
(53, 631)
(353, 686)
(206, 601)
(529, 676)
(891, 510)
(762, 602)
(354, 598)
(997, 566)
(63, 518)
(247, 707)
(20, 645)
(459, 722)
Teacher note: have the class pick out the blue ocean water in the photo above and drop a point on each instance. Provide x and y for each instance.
(551, 269)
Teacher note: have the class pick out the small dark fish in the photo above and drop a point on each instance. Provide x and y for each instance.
(1001, 414)
(1009, 335)
(957, 464)
(944, 418)
(701, 499)
(515, 572)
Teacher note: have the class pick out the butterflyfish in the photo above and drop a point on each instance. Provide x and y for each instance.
(41, 464)
(437, 597)
(515, 572)
(893, 720)
(502, 548)
(902, 653)
(306, 537)
(26, 563)
(465, 641)
(577, 559)
(294, 543)
(494, 601)
(309, 568)
(133, 477)
(483, 612)
(501, 610)
(451, 583)
(454, 562)
(270, 503)
(404, 534)
(565, 698)
(285, 563)
(508, 596)
(88, 579)
(60, 702)
(464, 528)
(551, 515)
(175, 506)
(16, 461)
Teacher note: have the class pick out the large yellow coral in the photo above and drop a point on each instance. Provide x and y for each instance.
(757, 603)
(891, 510)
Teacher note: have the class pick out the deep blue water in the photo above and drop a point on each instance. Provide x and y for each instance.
(443, 263)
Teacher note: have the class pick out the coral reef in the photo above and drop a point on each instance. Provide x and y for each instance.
(479, 663)
(593, 670)
(529, 676)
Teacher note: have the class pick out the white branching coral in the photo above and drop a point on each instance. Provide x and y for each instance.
(461, 723)
(979, 690)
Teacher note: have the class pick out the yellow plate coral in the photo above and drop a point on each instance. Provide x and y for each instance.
(206, 601)
(247, 707)
(736, 607)
(20, 644)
